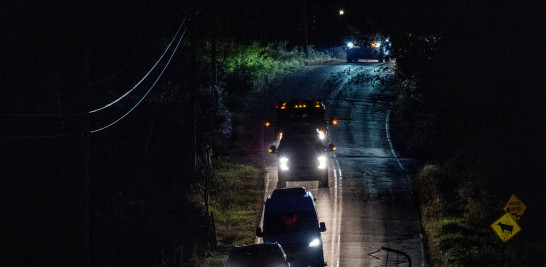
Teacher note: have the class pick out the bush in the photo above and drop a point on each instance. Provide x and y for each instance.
(258, 66)
(431, 197)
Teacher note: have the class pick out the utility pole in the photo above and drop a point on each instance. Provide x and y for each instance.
(84, 150)
(214, 67)
(305, 44)
(193, 90)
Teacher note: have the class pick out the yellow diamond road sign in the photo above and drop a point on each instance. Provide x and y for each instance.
(515, 207)
(505, 227)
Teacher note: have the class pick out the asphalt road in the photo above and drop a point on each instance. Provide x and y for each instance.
(369, 202)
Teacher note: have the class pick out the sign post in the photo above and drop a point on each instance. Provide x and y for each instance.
(506, 226)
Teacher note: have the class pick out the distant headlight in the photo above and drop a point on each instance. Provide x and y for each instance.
(322, 162)
(283, 163)
(350, 45)
(314, 243)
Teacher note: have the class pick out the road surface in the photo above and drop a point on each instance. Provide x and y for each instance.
(369, 202)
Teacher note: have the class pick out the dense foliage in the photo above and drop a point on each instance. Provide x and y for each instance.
(471, 92)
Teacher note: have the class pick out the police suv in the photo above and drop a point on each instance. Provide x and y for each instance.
(290, 218)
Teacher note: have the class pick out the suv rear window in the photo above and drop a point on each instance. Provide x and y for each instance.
(289, 222)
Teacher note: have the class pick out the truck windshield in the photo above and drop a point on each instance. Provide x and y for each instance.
(289, 222)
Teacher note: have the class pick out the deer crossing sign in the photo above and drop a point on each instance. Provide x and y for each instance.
(505, 227)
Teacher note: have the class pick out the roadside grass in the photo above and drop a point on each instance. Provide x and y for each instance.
(236, 203)
(457, 209)
(452, 242)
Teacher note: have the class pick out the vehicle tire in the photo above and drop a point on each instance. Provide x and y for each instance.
(323, 182)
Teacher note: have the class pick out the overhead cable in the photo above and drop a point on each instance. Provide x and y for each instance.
(145, 76)
(149, 90)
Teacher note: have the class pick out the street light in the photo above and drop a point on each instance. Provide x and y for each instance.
(341, 12)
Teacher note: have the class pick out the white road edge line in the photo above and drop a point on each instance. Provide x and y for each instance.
(388, 131)
(395, 155)
(339, 194)
(259, 240)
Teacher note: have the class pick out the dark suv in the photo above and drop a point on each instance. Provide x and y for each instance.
(290, 218)
(373, 48)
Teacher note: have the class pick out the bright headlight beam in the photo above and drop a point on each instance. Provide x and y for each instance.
(321, 134)
(314, 243)
(283, 163)
(322, 162)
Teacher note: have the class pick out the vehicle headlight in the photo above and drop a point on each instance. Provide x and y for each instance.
(321, 134)
(350, 45)
(322, 162)
(283, 163)
(314, 243)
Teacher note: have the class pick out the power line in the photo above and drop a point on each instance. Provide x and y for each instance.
(145, 76)
(149, 90)
(117, 100)
(100, 81)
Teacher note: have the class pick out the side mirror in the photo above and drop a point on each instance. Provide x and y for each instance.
(272, 149)
(331, 147)
(322, 227)
(259, 232)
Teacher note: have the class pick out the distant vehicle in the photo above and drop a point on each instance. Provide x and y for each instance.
(376, 47)
(267, 255)
(302, 156)
(290, 218)
(302, 113)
